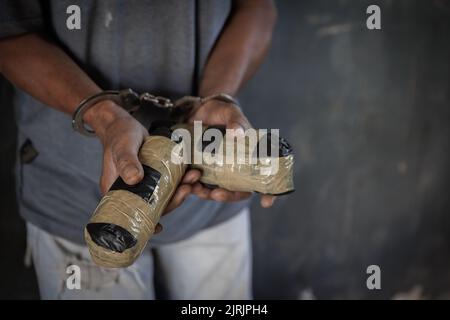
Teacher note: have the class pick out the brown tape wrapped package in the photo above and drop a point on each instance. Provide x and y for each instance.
(245, 171)
(126, 217)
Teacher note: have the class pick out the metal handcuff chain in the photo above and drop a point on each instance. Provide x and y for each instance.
(131, 102)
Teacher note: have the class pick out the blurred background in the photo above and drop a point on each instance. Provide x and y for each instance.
(367, 112)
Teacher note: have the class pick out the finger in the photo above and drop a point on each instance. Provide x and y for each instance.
(109, 173)
(267, 200)
(237, 120)
(192, 176)
(200, 191)
(238, 125)
(179, 196)
(127, 162)
(158, 228)
(238, 129)
(224, 195)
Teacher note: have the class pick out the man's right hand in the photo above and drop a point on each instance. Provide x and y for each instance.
(122, 136)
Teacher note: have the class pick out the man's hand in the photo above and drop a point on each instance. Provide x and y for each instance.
(122, 136)
(221, 113)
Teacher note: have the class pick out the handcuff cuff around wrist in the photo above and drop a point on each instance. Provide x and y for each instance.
(131, 102)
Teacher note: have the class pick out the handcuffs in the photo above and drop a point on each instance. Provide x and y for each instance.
(131, 102)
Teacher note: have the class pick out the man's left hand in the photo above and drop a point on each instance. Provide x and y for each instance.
(216, 112)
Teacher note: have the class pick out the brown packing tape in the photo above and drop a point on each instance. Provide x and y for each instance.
(264, 175)
(131, 212)
(250, 177)
(139, 217)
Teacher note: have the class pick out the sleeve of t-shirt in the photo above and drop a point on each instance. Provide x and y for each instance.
(20, 16)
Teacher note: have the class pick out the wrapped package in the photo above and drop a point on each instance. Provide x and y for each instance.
(126, 216)
(246, 169)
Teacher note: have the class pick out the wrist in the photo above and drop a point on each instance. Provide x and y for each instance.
(206, 91)
(102, 114)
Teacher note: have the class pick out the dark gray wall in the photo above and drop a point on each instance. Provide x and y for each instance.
(368, 115)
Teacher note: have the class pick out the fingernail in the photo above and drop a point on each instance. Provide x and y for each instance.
(130, 172)
(267, 203)
(239, 132)
(220, 196)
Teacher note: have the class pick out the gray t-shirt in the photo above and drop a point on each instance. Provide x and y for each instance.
(157, 46)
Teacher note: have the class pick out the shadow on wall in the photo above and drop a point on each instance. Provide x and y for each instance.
(367, 113)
